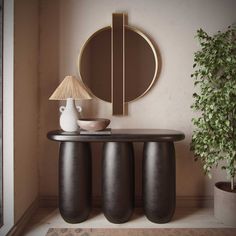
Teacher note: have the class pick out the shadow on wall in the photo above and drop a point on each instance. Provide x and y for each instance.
(89, 108)
(188, 172)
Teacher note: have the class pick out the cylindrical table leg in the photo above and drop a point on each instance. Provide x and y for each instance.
(118, 181)
(74, 181)
(159, 194)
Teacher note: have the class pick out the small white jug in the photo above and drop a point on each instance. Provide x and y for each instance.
(69, 116)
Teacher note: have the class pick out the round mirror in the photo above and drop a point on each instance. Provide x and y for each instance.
(139, 63)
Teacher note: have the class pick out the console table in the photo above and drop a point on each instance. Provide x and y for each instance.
(158, 173)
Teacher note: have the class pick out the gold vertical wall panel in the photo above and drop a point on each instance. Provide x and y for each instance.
(117, 57)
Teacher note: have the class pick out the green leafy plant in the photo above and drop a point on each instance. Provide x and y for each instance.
(214, 135)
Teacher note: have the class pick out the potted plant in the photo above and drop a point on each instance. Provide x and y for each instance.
(214, 135)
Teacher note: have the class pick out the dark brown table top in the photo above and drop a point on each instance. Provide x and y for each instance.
(119, 135)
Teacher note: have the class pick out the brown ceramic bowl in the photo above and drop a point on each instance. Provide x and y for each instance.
(94, 124)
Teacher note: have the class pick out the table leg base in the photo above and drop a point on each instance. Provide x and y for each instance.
(118, 181)
(74, 181)
(159, 192)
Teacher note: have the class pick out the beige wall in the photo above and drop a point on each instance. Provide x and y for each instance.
(48, 81)
(67, 24)
(26, 104)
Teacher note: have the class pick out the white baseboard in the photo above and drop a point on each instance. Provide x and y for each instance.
(181, 201)
(19, 227)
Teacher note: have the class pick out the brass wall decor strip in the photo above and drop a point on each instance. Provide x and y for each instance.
(117, 71)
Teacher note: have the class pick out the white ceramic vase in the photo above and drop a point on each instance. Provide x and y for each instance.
(69, 116)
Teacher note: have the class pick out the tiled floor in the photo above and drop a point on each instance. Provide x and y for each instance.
(46, 218)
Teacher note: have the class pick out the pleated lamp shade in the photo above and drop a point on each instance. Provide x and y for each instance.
(70, 87)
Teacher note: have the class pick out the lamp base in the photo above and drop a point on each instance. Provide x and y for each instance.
(69, 116)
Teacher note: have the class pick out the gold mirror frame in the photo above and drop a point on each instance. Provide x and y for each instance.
(155, 60)
(80, 59)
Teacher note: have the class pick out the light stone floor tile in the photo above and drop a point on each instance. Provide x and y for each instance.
(46, 218)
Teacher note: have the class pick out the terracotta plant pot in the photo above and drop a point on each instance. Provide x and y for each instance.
(225, 204)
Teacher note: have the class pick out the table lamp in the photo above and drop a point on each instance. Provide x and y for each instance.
(70, 89)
